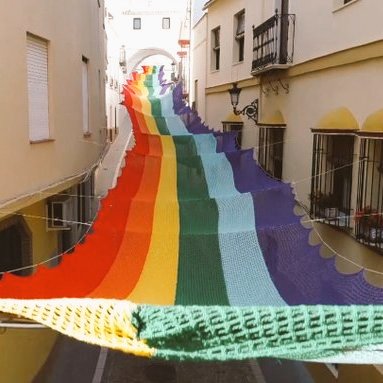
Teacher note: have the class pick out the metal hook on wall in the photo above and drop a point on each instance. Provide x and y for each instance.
(285, 86)
(273, 88)
(265, 91)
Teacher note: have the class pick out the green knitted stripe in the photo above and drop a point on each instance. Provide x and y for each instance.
(200, 275)
(228, 333)
(161, 125)
(185, 145)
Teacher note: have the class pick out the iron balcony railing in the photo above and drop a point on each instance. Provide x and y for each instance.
(273, 42)
(332, 171)
(369, 213)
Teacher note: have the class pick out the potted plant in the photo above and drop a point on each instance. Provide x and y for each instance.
(370, 222)
(325, 204)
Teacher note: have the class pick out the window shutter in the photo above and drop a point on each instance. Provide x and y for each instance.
(37, 73)
(85, 96)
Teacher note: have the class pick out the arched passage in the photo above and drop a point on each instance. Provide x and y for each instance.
(142, 54)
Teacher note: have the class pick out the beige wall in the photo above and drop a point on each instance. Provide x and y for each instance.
(199, 63)
(324, 27)
(315, 88)
(73, 29)
(337, 63)
(32, 172)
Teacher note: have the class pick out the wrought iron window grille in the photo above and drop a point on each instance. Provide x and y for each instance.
(270, 150)
(330, 197)
(369, 213)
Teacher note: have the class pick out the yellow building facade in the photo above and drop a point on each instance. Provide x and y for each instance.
(52, 118)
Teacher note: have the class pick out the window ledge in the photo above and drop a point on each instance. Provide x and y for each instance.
(214, 71)
(88, 134)
(342, 6)
(238, 62)
(41, 141)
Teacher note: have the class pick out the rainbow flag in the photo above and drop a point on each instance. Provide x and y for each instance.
(197, 254)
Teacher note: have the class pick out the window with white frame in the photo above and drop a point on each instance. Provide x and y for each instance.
(38, 95)
(85, 96)
(166, 23)
(216, 49)
(137, 23)
(239, 36)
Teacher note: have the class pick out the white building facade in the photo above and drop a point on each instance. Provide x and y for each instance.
(149, 30)
(315, 69)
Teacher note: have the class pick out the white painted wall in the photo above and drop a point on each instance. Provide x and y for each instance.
(199, 63)
(321, 28)
(73, 29)
(151, 37)
(115, 77)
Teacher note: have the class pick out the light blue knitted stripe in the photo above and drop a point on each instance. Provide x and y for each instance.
(205, 143)
(174, 123)
(167, 105)
(176, 126)
(246, 276)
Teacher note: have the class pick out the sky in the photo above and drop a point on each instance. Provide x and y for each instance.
(197, 9)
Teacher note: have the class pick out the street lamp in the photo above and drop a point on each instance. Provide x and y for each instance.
(251, 110)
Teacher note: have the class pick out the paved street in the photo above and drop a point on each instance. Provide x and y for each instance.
(122, 368)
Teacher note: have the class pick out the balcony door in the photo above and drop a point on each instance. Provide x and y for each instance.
(282, 8)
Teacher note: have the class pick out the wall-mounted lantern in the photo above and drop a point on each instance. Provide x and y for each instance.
(251, 110)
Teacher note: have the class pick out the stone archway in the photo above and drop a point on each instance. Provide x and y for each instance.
(134, 60)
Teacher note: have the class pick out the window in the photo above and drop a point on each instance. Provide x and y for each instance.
(270, 152)
(166, 23)
(239, 36)
(137, 23)
(235, 127)
(330, 196)
(38, 100)
(195, 103)
(85, 96)
(85, 204)
(339, 4)
(369, 213)
(15, 245)
(216, 50)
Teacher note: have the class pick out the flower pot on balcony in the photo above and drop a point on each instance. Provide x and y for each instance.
(375, 234)
(331, 212)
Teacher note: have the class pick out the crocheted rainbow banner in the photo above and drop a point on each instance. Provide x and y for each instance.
(208, 248)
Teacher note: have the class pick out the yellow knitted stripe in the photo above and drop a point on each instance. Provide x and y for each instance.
(102, 322)
(158, 280)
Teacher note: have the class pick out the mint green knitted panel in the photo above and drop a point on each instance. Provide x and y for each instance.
(228, 333)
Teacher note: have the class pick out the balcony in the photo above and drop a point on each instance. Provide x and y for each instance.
(273, 44)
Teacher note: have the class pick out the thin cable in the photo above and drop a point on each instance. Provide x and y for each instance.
(326, 172)
(326, 244)
(81, 239)
(301, 204)
(45, 218)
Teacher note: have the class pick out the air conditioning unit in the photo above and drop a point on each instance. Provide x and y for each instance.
(58, 213)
